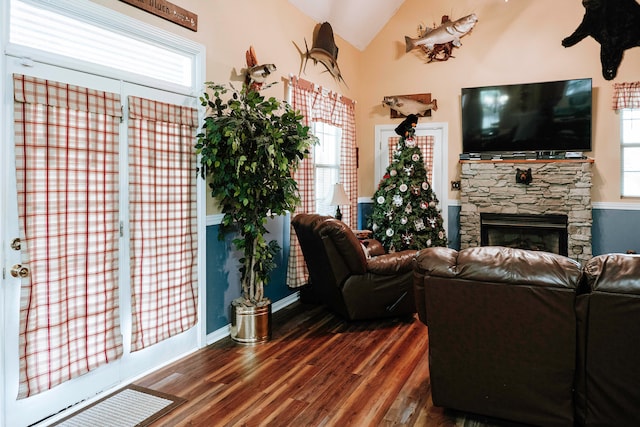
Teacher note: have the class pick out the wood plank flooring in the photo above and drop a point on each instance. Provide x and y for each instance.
(317, 370)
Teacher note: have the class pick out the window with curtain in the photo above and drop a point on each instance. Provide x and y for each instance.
(68, 185)
(327, 165)
(318, 105)
(162, 191)
(626, 99)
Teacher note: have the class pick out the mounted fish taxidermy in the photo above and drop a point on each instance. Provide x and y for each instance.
(323, 50)
(440, 52)
(256, 74)
(405, 105)
(615, 24)
(439, 42)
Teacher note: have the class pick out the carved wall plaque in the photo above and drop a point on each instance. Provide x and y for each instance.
(168, 11)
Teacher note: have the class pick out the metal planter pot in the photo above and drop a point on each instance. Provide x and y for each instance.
(250, 325)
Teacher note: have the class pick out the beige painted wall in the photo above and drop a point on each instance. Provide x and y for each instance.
(514, 41)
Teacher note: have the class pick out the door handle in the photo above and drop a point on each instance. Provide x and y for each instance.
(19, 271)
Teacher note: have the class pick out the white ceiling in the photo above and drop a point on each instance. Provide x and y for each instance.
(371, 15)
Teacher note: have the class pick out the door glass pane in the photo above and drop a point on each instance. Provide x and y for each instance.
(68, 195)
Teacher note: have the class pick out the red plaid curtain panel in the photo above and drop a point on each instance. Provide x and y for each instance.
(163, 220)
(626, 95)
(67, 182)
(318, 105)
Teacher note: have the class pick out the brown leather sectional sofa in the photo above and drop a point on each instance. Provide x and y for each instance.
(532, 337)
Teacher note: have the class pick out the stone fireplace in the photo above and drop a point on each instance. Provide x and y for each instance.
(552, 213)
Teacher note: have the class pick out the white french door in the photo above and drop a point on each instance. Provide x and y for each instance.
(438, 171)
(23, 412)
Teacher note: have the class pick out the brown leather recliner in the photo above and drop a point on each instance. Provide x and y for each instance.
(609, 348)
(354, 284)
(502, 331)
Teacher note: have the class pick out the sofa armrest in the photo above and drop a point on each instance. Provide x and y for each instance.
(373, 247)
(391, 264)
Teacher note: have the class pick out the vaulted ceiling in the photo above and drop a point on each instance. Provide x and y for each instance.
(371, 15)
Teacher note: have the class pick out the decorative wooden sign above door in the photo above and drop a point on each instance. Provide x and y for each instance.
(168, 11)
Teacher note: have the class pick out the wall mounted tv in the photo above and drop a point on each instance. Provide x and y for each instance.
(529, 117)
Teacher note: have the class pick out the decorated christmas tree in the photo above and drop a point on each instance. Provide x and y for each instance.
(405, 213)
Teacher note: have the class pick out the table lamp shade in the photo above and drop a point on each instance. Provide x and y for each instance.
(339, 198)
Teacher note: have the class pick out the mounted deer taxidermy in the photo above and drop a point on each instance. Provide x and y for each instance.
(615, 24)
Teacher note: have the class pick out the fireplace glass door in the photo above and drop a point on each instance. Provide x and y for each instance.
(546, 233)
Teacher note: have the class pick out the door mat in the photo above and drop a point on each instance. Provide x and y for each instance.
(133, 406)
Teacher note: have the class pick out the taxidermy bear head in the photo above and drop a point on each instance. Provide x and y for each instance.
(523, 176)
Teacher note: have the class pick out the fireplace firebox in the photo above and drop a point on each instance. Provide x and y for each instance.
(546, 233)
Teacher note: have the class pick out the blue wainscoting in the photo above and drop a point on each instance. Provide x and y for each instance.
(223, 278)
(615, 226)
(615, 230)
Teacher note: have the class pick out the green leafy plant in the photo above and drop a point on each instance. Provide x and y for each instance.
(249, 148)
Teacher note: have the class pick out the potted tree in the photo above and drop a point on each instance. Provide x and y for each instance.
(250, 146)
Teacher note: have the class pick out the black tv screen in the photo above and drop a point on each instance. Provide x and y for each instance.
(546, 116)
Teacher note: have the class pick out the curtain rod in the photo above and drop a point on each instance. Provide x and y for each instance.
(312, 87)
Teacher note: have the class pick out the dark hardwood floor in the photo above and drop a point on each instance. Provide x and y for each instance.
(317, 370)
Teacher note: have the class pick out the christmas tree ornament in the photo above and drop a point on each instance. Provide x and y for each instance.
(403, 187)
(407, 238)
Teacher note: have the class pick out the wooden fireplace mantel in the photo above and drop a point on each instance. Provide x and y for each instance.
(587, 160)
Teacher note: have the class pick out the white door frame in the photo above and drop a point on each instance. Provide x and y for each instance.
(440, 132)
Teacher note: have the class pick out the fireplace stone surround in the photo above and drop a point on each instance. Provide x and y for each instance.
(558, 187)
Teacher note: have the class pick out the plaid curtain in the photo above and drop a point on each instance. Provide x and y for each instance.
(626, 95)
(163, 221)
(425, 144)
(317, 105)
(67, 184)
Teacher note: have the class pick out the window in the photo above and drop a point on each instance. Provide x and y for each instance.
(40, 31)
(630, 118)
(327, 165)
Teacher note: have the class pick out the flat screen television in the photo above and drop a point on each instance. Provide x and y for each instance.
(528, 117)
